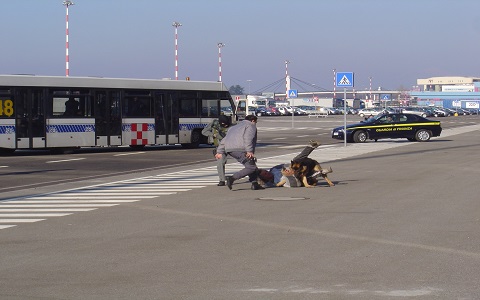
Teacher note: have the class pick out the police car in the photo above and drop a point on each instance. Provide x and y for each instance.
(390, 126)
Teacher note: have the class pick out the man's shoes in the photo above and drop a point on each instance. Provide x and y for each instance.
(229, 181)
(221, 183)
(256, 186)
(314, 144)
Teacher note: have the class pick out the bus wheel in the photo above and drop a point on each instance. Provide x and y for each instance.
(195, 140)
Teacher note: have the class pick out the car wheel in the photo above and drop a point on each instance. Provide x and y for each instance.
(259, 114)
(361, 115)
(424, 115)
(423, 135)
(360, 136)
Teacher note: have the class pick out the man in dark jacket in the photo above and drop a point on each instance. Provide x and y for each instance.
(240, 143)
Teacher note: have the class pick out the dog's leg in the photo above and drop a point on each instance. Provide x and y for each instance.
(305, 182)
(330, 183)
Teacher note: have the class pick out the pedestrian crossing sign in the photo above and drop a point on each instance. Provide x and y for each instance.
(292, 93)
(344, 79)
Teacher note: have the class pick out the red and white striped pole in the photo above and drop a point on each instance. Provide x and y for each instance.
(286, 79)
(334, 83)
(176, 25)
(220, 46)
(67, 3)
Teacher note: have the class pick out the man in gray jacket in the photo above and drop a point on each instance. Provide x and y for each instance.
(240, 143)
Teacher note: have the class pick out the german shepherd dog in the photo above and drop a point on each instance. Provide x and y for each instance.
(307, 169)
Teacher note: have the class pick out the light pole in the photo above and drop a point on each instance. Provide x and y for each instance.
(176, 25)
(249, 82)
(286, 79)
(370, 78)
(220, 46)
(67, 3)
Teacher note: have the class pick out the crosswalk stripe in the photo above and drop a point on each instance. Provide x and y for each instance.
(6, 226)
(69, 201)
(64, 196)
(17, 215)
(117, 193)
(20, 220)
(43, 209)
(53, 205)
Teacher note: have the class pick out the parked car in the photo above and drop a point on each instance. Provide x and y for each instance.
(390, 126)
(284, 111)
(439, 112)
(265, 111)
(415, 110)
(369, 111)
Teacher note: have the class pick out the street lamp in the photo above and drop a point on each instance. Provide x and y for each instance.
(67, 3)
(249, 82)
(220, 46)
(176, 25)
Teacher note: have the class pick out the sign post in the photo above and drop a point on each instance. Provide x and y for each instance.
(344, 79)
(292, 94)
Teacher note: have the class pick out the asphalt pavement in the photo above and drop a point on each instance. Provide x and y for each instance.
(402, 221)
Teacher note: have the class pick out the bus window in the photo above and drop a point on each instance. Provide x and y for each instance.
(137, 104)
(188, 107)
(69, 103)
(210, 108)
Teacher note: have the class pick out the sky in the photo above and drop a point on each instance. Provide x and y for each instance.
(393, 42)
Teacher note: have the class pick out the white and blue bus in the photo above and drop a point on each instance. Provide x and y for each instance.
(49, 112)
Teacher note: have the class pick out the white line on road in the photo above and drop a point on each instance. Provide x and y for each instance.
(6, 226)
(16, 215)
(70, 201)
(20, 220)
(63, 160)
(63, 196)
(53, 205)
(132, 153)
(43, 209)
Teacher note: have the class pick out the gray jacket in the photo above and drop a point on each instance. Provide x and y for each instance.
(241, 137)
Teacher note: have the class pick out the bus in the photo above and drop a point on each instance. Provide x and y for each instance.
(53, 112)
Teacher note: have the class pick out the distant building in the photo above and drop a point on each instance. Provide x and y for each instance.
(448, 92)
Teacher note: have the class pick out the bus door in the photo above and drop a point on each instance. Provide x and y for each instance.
(30, 118)
(166, 119)
(108, 121)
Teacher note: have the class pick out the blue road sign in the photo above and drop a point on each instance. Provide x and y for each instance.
(385, 96)
(292, 93)
(344, 79)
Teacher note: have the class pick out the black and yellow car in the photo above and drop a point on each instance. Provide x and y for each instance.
(390, 126)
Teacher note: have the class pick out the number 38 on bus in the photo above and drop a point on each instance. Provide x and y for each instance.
(47, 112)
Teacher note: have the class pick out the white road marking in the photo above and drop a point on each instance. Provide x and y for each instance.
(6, 226)
(63, 160)
(16, 215)
(20, 220)
(69, 201)
(53, 205)
(43, 209)
(132, 153)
